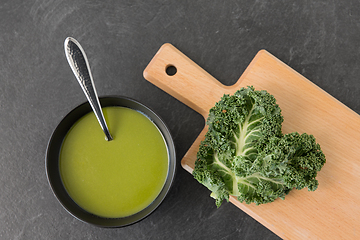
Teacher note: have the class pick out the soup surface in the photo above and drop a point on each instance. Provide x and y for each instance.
(117, 178)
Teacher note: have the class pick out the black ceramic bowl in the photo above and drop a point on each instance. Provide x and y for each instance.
(52, 163)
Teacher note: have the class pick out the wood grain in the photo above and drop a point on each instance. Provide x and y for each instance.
(333, 210)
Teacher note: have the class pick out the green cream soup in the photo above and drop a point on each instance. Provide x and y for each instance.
(117, 178)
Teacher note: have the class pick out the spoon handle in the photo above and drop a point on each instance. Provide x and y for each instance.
(79, 64)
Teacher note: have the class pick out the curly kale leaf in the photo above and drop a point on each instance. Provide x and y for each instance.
(300, 157)
(245, 154)
(243, 121)
(210, 177)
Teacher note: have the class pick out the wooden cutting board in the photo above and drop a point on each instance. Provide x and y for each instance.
(333, 210)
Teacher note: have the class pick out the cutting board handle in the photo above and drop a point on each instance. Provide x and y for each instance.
(190, 84)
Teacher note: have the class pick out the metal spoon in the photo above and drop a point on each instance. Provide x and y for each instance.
(79, 64)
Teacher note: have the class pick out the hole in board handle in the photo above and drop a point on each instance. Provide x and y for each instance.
(171, 70)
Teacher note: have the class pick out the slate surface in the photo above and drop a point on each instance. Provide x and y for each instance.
(319, 39)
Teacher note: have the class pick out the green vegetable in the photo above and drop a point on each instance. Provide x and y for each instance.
(245, 153)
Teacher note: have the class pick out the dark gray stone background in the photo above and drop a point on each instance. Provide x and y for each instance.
(319, 39)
